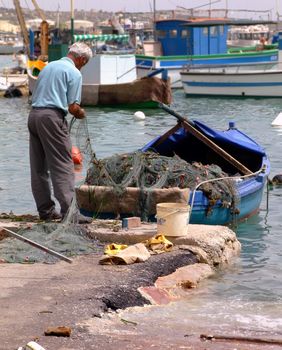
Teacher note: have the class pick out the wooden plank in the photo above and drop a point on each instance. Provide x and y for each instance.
(37, 245)
(241, 339)
(189, 127)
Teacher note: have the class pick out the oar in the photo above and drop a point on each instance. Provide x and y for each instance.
(37, 245)
(191, 128)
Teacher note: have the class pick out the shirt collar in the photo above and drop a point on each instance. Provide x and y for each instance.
(68, 59)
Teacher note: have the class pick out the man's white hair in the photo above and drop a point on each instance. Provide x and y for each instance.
(80, 49)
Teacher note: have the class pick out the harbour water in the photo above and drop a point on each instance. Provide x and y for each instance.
(245, 296)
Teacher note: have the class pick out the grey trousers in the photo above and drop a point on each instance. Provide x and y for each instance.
(50, 158)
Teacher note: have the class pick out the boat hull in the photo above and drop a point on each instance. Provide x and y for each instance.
(249, 205)
(141, 93)
(175, 64)
(10, 49)
(248, 188)
(250, 194)
(8, 79)
(248, 83)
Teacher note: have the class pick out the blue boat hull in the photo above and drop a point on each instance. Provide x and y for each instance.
(250, 194)
(248, 188)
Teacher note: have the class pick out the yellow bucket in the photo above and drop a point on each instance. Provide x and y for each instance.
(172, 219)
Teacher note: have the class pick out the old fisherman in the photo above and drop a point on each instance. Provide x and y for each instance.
(57, 92)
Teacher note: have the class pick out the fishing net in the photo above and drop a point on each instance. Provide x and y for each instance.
(149, 170)
(62, 238)
(67, 237)
(144, 170)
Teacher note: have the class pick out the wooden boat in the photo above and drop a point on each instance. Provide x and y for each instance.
(236, 81)
(245, 162)
(181, 43)
(111, 80)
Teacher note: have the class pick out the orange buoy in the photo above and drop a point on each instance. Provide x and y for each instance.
(76, 155)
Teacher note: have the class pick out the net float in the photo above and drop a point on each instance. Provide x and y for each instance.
(76, 155)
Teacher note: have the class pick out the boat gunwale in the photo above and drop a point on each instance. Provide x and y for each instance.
(223, 55)
(232, 74)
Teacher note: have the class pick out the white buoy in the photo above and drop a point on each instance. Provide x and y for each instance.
(139, 115)
(278, 120)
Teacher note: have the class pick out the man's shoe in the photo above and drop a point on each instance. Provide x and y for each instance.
(82, 219)
(52, 216)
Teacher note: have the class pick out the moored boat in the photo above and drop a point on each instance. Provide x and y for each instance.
(243, 36)
(199, 41)
(110, 79)
(228, 81)
(261, 80)
(244, 163)
(10, 44)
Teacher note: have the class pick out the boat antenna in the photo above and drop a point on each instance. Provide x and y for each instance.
(154, 20)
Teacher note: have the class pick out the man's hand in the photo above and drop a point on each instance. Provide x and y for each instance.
(77, 111)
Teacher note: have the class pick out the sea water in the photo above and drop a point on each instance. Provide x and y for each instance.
(247, 294)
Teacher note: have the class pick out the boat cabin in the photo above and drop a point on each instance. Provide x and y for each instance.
(197, 36)
(192, 37)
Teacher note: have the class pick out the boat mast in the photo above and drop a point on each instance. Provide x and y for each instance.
(39, 11)
(44, 28)
(72, 22)
(22, 23)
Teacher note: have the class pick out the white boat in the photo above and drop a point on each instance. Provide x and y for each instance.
(260, 80)
(8, 79)
(244, 36)
(10, 44)
(231, 81)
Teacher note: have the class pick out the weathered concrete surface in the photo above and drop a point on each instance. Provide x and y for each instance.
(186, 277)
(177, 284)
(214, 245)
(80, 295)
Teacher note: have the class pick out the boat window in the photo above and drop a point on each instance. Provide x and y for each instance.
(173, 33)
(205, 30)
(213, 30)
(161, 34)
(184, 33)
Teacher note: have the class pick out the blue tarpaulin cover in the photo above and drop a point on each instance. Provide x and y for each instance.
(232, 137)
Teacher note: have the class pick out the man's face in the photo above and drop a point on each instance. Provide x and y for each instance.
(80, 62)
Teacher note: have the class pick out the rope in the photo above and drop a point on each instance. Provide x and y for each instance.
(223, 178)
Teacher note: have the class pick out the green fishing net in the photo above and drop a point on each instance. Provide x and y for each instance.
(149, 170)
(68, 240)
(68, 237)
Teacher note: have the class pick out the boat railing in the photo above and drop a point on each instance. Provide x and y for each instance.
(236, 68)
(235, 178)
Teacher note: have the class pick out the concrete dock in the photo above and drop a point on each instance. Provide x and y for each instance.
(37, 296)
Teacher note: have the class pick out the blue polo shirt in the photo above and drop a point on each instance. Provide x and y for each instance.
(58, 85)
